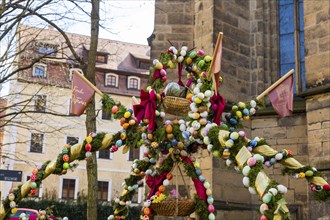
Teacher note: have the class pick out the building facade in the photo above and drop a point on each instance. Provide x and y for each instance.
(262, 41)
(44, 88)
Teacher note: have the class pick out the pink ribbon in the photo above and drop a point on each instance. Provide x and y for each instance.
(147, 108)
(180, 74)
(218, 105)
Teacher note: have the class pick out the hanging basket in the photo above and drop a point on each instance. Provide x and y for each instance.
(176, 105)
(168, 207)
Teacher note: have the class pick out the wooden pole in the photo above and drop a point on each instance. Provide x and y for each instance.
(88, 82)
(275, 84)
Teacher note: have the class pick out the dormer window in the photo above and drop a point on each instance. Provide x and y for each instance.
(133, 83)
(47, 51)
(101, 58)
(44, 48)
(111, 80)
(143, 64)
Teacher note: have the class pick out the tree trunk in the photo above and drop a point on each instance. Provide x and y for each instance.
(91, 165)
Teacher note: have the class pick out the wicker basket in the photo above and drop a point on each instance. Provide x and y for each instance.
(176, 105)
(168, 207)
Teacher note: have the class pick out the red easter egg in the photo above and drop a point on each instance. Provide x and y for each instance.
(263, 217)
(66, 158)
(114, 109)
(326, 187)
(88, 147)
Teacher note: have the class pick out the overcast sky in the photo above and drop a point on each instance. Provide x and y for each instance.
(127, 20)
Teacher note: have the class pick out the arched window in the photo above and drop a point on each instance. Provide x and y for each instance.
(133, 82)
(111, 80)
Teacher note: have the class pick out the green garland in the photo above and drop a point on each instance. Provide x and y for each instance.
(201, 207)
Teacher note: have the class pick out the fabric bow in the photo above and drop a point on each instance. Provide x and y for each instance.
(155, 182)
(218, 105)
(146, 108)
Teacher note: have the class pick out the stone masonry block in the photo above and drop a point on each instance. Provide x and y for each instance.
(317, 31)
(277, 132)
(264, 123)
(299, 185)
(292, 121)
(314, 126)
(318, 116)
(326, 124)
(318, 102)
(324, 44)
(296, 131)
(311, 7)
(309, 20)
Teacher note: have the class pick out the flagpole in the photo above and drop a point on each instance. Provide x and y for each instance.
(273, 86)
(88, 82)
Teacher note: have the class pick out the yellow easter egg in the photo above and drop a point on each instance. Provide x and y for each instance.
(197, 100)
(189, 95)
(127, 114)
(159, 66)
(89, 139)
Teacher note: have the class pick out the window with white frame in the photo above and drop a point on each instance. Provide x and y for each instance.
(40, 103)
(39, 70)
(133, 82)
(103, 190)
(105, 154)
(106, 115)
(70, 140)
(71, 72)
(111, 80)
(68, 188)
(36, 143)
(134, 154)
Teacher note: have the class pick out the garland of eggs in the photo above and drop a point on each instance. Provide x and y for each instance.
(207, 186)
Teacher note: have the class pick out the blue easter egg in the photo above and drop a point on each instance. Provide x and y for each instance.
(201, 178)
(119, 143)
(152, 160)
(198, 172)
(228, 116)
(144, 136)
(233, 121)
(246, 111)
(231, 129)
(174, 142)
(272, 161)
(185, 134)
(253, 143)
(210, 200)
(131, 111)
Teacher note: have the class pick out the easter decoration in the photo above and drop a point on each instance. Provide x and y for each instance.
(169, 144)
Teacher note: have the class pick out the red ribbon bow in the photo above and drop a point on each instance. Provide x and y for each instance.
(218, 105)
(155, 182)
(147, 107)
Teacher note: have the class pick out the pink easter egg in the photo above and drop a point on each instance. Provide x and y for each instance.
(263, 217)
(211, 208)
(251, 161)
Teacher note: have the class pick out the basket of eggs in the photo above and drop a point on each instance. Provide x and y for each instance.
(175, 101)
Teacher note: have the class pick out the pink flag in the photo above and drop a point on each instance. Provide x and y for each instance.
(282, 97)
(82, 94)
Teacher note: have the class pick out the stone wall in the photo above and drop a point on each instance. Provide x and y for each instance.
(285, 133)
(317, 58)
